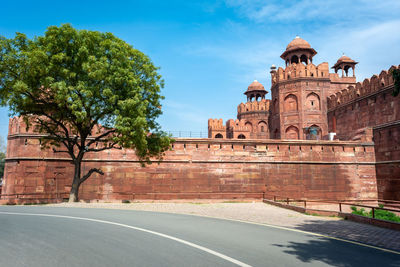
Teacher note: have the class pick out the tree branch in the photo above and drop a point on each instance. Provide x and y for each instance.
(90, 172)
(60, 151)
(103, 148)
(97, 138)
(59, 138)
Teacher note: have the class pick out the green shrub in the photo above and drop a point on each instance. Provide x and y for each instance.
(379, 214)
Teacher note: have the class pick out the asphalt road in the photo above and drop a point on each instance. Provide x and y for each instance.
(50, 236)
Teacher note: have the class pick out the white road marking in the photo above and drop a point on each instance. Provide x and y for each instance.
(301, 231)
(210, 251)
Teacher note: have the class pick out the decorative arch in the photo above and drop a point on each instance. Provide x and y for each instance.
(249, 125)
(262, 127)
(294, 59)
(346, 69)
(313, 101)
(290, 103)
(292, 132)
(241, 136)
(219, 135)
(304, 59)
(311, 69)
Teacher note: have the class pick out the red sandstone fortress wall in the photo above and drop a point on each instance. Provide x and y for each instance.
(371, 104)
(200, 168)
(238, 160)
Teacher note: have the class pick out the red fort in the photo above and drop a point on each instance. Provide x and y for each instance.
(323, 135)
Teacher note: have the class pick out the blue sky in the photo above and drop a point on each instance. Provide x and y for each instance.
(210, 51)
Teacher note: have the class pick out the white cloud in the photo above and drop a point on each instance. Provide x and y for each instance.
(375, 47)
(332, 11)
(374, 43)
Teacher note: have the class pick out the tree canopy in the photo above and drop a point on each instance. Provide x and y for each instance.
(82, 88)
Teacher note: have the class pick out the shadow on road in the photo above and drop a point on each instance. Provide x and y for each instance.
(363, 233)
(330, 252)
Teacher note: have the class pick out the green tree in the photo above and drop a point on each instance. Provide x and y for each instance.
(87, 91)
(396, 78)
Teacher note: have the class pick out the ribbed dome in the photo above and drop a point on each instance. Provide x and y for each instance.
(297, 43)
(255, 86)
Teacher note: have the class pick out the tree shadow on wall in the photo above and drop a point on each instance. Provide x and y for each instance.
(318, 250)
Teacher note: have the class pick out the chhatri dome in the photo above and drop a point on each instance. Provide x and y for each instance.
(297, 43)
(345, 63)
(255, 86)
(344, 58)
(255, 91)
(297, 51)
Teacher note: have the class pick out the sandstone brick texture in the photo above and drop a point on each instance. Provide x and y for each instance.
(200, 168)
(264, 151)
(371, 104)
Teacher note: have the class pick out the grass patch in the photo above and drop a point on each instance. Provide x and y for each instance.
(379, 214)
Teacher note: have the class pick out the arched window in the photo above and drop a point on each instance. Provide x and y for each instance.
(262, 126)
(292, 132)
(313, 102)
(346, 69)
(304, 59)
(294, 59)
(241, 136)
(219, 135)
(249, 126)
(290, 103)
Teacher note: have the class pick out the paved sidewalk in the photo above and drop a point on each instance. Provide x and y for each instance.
(259, 212)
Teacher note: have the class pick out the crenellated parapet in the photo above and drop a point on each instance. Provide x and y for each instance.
(255, 106)
(17, 126)
(216, 124)
(216, 128)
(367, 87)
(238, 129)
(300, 70)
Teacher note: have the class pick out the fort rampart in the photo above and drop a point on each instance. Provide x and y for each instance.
(371, 104)
(199, 168)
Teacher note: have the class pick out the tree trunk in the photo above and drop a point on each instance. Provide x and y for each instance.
(73, 195)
